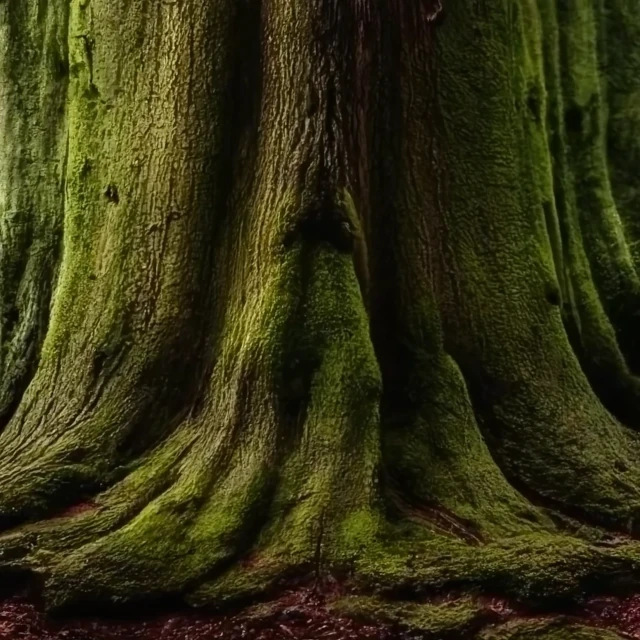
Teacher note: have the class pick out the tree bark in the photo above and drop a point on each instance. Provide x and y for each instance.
(299, 288)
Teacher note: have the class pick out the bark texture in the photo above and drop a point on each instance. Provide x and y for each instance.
(310, 287)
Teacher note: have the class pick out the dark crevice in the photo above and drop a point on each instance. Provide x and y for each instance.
(574, 120)
(328, 224)
(99, 359)
(10, 318)
(534, 103)
(552, 295)
(8, 409)
(236, 159)
(557, 243)
(111, 194)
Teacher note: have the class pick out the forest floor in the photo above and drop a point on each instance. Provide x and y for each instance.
(295, 620)
(299, 615)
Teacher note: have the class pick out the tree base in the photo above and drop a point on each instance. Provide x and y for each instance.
(405, 577)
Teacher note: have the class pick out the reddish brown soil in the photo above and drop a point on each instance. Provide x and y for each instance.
(296, 618)
(76, 509)
(622, 614)
(297, 615)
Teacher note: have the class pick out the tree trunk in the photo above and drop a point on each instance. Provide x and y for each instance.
(318, 287)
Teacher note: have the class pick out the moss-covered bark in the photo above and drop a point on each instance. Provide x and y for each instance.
(33, 72)
(320, 287)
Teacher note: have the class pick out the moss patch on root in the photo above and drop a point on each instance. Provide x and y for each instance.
(562, 629)
(443, 620)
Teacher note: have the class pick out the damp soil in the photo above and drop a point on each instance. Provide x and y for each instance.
(297, 615)
(620, 614)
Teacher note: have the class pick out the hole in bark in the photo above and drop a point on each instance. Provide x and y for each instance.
(552, 294)
(573, 119)
(111, 194)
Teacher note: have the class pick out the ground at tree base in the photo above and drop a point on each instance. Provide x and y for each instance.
(304, 613)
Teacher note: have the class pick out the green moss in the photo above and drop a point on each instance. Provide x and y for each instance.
(32, 189)
(583, 126)
(547, 630)
(248, 582)
(126, 311)
(449, 619)
(255, 413)
(534, 568)
(619, 26)
(540, 417)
